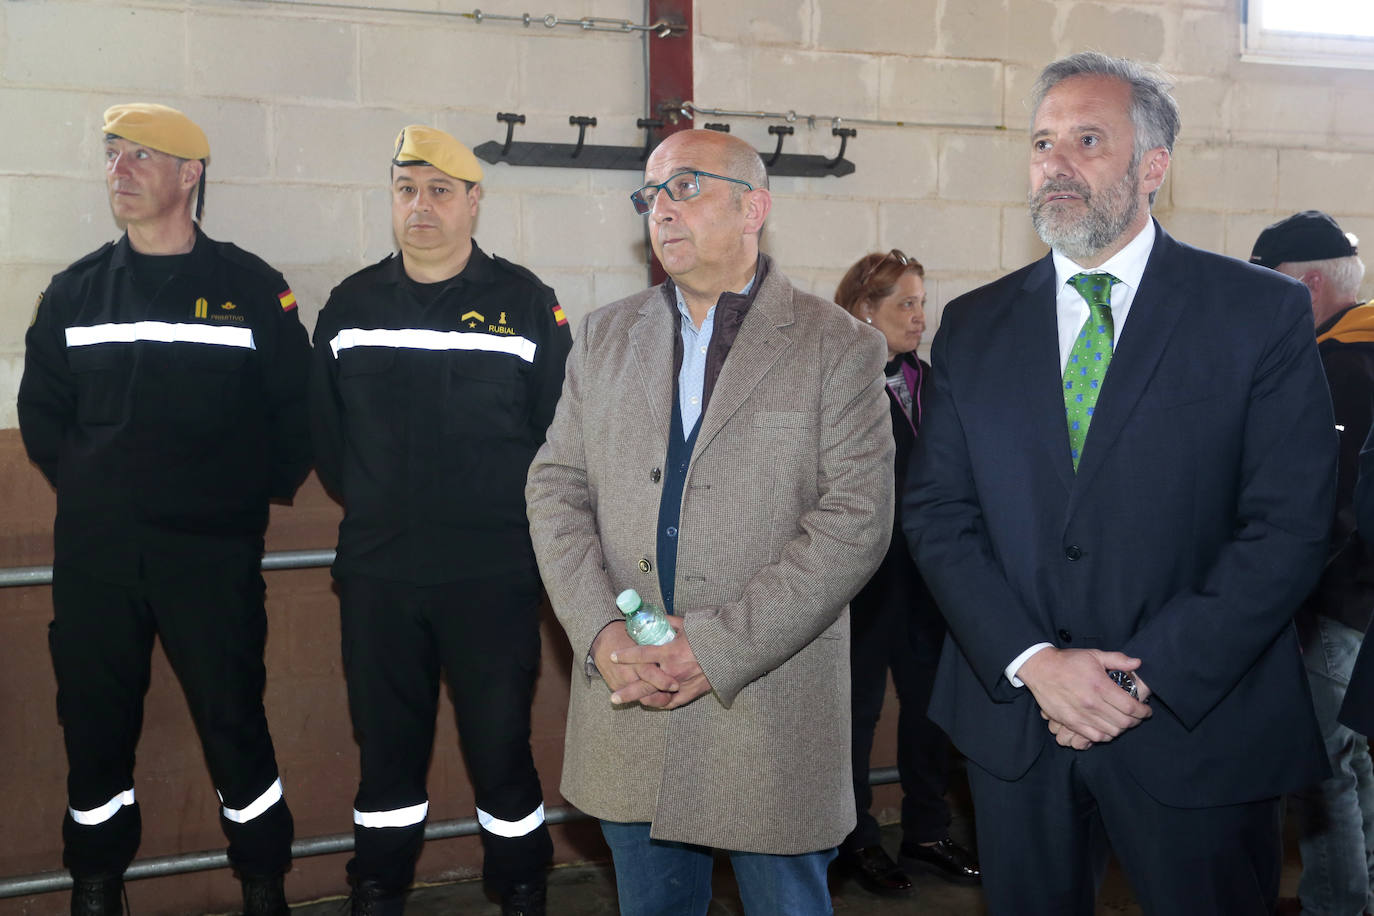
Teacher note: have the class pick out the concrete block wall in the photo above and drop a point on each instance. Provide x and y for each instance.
(302, 104)
(1258, 141)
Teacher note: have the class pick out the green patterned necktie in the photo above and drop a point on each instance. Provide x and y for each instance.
(1089, 358)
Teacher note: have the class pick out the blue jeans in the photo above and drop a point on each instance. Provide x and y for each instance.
(657, 878)
(1336, 816)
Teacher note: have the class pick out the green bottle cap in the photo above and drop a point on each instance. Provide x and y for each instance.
(628, 601)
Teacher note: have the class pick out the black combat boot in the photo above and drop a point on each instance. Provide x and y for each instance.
(97, 896)
(372, 899)
(525, 898)
(264, 895)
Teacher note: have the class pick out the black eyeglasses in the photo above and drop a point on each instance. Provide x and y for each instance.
(893, 255)
(682, 186)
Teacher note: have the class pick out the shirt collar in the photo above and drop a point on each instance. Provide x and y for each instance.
(1127, 265)
(682, 303)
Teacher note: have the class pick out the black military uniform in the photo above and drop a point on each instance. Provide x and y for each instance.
(164, 398)
(428, 402)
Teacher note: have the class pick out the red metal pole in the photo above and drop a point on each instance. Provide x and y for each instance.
(670, 82)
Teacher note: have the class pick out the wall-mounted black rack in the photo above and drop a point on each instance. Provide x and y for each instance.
(582, 155)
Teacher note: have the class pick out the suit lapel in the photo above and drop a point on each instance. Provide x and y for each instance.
(1155, 312)
(651, 342)
(757, 347)
(1035, 323)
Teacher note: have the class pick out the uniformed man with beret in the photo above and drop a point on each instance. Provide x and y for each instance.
(163, 396)
(435, 376)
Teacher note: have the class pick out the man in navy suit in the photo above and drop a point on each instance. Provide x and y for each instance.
(1121, 493)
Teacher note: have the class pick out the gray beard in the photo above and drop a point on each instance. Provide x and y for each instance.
(1109, 213)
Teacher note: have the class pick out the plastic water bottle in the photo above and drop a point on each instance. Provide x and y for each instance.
(648, 625)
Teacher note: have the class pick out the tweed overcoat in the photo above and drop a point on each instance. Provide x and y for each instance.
(786, 511)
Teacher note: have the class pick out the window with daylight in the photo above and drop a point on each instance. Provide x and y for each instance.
(1313, 33)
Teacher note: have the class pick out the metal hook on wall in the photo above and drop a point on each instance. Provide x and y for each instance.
(844, 133)
(583, 155)
(649, 125)
(780, 131)
(581, 122)
(510, 119)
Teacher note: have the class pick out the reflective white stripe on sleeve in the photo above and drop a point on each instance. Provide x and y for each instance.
(161, 332)
(104, 812)
(256, 807)
(521, 827)
(422, 339)
(398, 817)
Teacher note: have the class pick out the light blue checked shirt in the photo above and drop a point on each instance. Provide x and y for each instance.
(691, 379)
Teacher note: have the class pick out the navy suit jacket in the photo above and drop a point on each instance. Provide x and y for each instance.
(1196, 523)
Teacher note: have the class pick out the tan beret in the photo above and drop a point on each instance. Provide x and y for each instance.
(420, 145)
(157, 127)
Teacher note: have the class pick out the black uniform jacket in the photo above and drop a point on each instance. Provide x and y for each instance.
(164, 408)
(426, 417)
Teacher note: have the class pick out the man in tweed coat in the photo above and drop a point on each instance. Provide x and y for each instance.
(722, 445)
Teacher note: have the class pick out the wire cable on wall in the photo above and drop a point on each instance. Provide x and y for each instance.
(690, 109)
(660, 29)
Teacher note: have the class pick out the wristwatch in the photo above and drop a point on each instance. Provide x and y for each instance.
(1125, 682)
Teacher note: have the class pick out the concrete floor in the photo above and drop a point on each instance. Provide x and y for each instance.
(589, 890)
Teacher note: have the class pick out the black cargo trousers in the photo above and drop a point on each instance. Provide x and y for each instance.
(211, 619)
(482, 632)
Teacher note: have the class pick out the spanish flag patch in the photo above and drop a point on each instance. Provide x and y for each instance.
(288, 300)
(558, 315)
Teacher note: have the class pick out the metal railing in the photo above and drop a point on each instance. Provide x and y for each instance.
(281, 559)
(208, 860)
(183, 863)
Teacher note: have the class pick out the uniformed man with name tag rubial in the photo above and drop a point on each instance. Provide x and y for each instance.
(435, 376)
(163, 396)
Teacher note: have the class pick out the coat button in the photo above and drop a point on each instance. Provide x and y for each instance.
(1065, 636)
(645, 565)
(656, 475)
(1072, 552)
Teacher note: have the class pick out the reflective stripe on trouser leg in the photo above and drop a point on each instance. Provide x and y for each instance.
(514, 851)
(397, 817)
(255, 807)
(386, 845)
(103, 813)
(101, 638)
(527, 824)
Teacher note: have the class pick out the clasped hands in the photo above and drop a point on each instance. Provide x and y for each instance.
(1079, 700)
(659, 677)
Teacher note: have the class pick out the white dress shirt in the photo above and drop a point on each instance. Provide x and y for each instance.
(1071, 310)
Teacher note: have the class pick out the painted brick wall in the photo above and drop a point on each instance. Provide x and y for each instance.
(301, 104)
(1258, 141)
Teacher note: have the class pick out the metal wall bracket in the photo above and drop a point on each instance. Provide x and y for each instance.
(579, 155)
(583, 155)
(796, 165)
